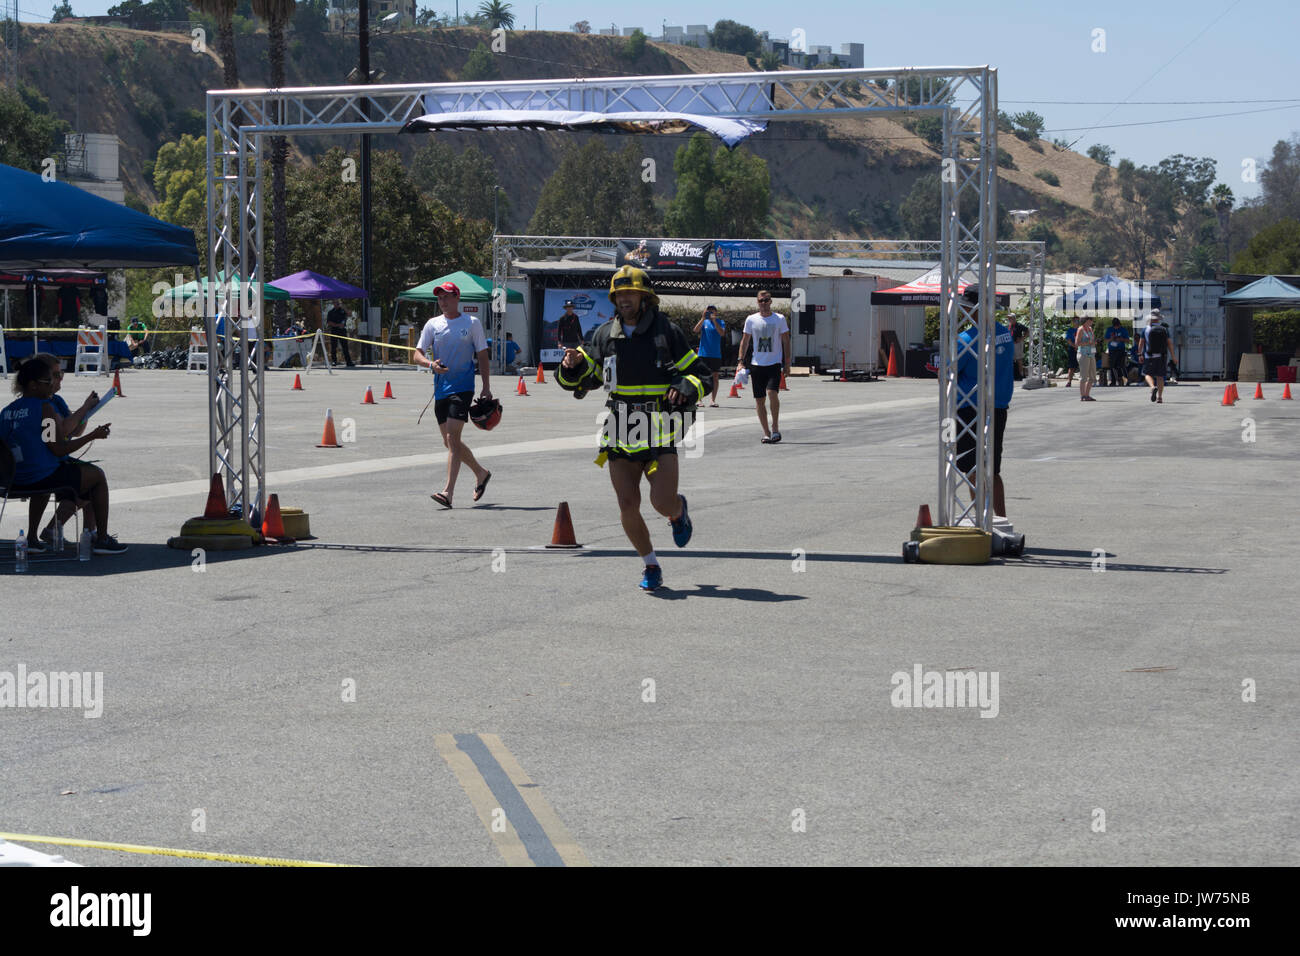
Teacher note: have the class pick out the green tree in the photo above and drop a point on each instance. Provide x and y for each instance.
(277, 14)
(464, 181)
(770, 61)
(724, 194)
(1138, 206)
(223, 11)
(28, 134)
(596, 192)
(180, 178)
(921, 209)
(415, 237)
(1223, 200)
(480, 65)
(1100, 153)
(1028, 125)
(732, 37)
(633, 46)
(1274, 250)
(497, 15)
(62, 11)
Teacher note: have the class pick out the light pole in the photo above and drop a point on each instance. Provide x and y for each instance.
(535, 6)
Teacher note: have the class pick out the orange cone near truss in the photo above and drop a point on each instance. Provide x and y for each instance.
(328, 439)
(923, 517)
(216, 507)
(273, 526)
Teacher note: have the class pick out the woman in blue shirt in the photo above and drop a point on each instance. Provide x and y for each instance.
(37, 449)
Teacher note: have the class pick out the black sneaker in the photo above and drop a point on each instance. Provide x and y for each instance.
(1153, 394)
(107, 544)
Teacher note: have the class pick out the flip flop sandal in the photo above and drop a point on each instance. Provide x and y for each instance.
(766, 440)
(442, 499)
(481, 487)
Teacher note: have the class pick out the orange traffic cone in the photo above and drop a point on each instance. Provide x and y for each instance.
(894, 370)
(1259, 390)
(1286, 392)
(562, 534)
(541, 379)
(216, 507)
(273, 526)
(370, 397)
(784, 387)
(521, 388)
(1235, 397)
(735, 390)
(297, 383)
(923, 517)
(117, 384)
(388, 390)
(1228, 398)
(328, 439)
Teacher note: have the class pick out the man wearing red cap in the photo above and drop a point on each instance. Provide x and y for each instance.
(451, 344)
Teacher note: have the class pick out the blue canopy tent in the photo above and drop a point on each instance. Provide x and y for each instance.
(1269, 292)
(54, 225)
(1108, 294)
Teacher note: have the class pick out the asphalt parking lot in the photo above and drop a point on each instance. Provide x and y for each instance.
(418, 686)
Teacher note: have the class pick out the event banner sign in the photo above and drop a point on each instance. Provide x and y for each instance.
(592, 307)
(767, 259)
(665, 256)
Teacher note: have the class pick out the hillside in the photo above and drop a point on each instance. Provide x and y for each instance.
(835, 178)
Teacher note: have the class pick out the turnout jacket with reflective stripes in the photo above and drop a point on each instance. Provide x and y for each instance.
(646, 364)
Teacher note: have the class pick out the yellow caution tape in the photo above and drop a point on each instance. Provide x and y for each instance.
(163, 851)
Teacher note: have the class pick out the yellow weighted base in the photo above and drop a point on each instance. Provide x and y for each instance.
(297, 523)
(208, 527)
(953, 545)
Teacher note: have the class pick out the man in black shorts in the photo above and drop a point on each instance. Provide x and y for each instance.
(968, 397)
(452, 344)
(1156, 348)
(770, 335)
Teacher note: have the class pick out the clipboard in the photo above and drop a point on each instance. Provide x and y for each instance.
(108, 397)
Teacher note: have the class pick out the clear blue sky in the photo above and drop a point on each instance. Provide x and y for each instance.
(1167, 60)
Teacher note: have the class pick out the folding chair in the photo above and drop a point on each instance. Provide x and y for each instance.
(7, 468)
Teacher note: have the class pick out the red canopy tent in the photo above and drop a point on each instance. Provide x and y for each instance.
(926, 290)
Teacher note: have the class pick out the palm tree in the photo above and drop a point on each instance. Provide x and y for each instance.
(277, 13)
(497, 14)
(223, 11)
(1223, 199)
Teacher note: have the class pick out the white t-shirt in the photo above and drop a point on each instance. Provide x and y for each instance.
(766, 336)
(456, 343)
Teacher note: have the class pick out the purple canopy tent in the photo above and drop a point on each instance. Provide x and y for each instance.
(312, 285)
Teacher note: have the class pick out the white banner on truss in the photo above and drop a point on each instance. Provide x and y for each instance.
(730, 131)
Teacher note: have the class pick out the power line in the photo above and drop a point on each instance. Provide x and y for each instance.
(1140, 102)
(1178, 119)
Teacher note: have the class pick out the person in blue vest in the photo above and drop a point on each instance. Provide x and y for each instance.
(710, 329)
(1004, 386)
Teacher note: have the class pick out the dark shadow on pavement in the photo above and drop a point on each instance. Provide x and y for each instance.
(733, 594)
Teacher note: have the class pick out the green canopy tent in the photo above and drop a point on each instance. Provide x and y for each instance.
(472, 289)
(192, 298)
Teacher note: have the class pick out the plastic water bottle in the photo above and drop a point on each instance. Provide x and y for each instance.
(58, 537)
(83, 546)
(20, 552)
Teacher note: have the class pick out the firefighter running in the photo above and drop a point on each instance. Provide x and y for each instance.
(653, 380)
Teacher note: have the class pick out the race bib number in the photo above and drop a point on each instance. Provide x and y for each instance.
(611, 373)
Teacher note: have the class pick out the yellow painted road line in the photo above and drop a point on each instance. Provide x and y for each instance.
(163, 851)
(480, 795)
(565, 845)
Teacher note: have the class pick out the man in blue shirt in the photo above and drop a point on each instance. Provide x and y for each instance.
(1116, 348)
(968, 396)
(452, 345)
(710, 329)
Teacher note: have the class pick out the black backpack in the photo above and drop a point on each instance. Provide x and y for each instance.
(1157, 338)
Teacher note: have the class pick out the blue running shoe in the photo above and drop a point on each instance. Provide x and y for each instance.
(682, 526)
(653, 579)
